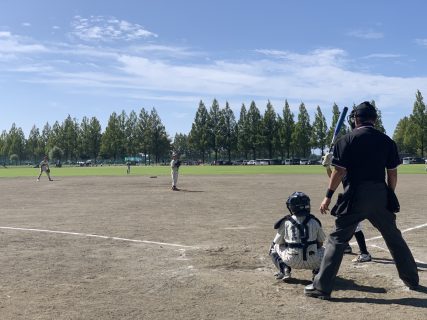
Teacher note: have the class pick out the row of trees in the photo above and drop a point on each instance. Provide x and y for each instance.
(411, 131)
(124, 135)
(215, 134)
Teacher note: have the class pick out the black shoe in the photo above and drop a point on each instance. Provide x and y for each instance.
(412, 286)
(348, 249)
(311, 291)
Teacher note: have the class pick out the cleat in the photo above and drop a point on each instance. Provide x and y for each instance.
(364, 257)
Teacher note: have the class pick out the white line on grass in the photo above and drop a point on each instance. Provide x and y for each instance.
(102, 237)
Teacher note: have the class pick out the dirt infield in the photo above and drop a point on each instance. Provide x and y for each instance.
(200, 253)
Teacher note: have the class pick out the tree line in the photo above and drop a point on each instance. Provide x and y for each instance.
(411, 131)
(124, 135)
(215, 134)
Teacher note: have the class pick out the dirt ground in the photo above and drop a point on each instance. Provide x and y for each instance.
(130, 248)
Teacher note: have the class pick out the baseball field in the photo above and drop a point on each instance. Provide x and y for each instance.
(99, 244)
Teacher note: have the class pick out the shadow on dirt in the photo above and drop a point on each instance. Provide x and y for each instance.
(346, 284)
(186, 190)
(413, 302)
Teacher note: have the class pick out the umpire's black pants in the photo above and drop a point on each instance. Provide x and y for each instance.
(369, 202)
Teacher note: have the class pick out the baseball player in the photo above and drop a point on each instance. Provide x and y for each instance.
(298, 243)
(175, 164)
(44, 167)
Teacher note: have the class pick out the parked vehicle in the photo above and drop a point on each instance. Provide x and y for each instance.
(251, 163)
(413, 160)
(263, 162)
(292, 161)
(303, 161)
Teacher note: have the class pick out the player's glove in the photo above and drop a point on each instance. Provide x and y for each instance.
(327, 160)
(48, 170)
(178, 164)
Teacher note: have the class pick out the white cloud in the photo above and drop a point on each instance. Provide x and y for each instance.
(366, 34)
(168, 74)
(421, 42)
(317, 57)
(13, 44)
(99, 28)
(382, 56)
(26, 24)
(5, 34)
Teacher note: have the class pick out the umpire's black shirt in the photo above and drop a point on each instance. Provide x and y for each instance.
(365, 153)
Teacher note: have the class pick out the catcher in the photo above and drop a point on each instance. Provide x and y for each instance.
(175, 164)
(298, 243)
(44, 167)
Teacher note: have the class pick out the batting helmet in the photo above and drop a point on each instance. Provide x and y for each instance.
(365, 111)
(298, 204)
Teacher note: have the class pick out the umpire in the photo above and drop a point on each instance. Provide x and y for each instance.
(363, 155)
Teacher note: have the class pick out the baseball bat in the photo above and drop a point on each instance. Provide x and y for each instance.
(338, 127)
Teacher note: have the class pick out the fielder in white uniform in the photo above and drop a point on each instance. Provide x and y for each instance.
(298, 243)
(175, 164)
(44, 167)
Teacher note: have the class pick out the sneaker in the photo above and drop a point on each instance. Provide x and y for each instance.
(175, 188)
(348, 249)
(38, 180)
(311, 291)
(364, 257)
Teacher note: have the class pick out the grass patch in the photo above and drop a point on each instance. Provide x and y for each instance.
(11, 172)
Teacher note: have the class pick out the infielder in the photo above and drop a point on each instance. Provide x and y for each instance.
(44, 167)
(299, 239)
(175, 164)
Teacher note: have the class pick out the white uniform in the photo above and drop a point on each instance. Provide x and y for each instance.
(288, 236)
(44, 165)
(174, 172)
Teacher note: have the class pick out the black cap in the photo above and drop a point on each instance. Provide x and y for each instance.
(366, 110)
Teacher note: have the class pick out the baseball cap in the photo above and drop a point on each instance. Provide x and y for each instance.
(366, 110)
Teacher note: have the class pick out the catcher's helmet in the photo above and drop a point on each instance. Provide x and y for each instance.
(298, 203)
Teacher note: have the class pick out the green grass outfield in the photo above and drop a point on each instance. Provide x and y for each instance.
(12, 172)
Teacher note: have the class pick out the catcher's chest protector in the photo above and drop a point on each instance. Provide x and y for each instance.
(300, 235)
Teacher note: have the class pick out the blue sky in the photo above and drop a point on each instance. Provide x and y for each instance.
(90, 58)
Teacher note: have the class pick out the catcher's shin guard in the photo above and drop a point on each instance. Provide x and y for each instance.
(278, 262)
